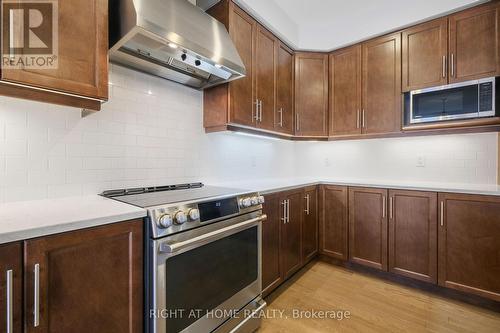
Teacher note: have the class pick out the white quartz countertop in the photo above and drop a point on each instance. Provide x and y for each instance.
(30, 219)
(266, 186)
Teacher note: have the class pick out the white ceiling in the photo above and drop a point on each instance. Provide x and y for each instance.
(324, 25)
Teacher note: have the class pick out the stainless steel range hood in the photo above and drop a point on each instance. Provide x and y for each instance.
(173, 39)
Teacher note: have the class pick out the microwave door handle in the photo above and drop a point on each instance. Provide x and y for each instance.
(171, 248)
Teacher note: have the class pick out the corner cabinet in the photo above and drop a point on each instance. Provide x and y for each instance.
(81, 76)
(333, 221)
(311, 94)
(310, 224)
(88, 280)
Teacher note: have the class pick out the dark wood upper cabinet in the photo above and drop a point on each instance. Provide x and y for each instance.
(265, 77)
(333, 221)
(474, 43)
(271, 236)
(368, 227)
(469, 244)
(11, 287)
(88, 280)
(345, 91)
(243, 29)
(425, 55)
(413, 234)
(291, 233)
(311, 94)
(81, 76)
(310, 224)
(284, 90)
(381, 81)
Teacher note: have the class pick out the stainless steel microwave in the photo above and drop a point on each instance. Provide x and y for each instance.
(464, 100)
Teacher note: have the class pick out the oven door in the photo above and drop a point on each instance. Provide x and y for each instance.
(201, 277)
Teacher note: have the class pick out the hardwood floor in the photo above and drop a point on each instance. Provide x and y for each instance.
(374, 305)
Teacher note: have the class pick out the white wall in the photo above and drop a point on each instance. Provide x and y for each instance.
(467, 158)
(151, 133)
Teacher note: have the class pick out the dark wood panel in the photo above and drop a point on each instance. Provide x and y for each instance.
(265, 75)
(345, 91)
(291, 234)
(284, 90)
(310, 224)
(90, 280)
(381, 81)
(469, 244)
(368, 227)
(413, 234)
(82, 52)
(425, 51)
(11, 260)
(474, 43)
(311, 94)
(271, 238)
(242, 29)
(334, 221)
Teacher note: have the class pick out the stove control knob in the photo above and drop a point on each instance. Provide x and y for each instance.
(180, 217)
(255, 201)
(194, 214)
(245, 203)
(261, 199)
(165, 221)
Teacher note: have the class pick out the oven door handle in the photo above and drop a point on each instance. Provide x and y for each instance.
(211, 236)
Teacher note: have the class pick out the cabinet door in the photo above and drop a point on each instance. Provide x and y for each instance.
(469, 244)
(413, 234)
(242, 29)
(291, 234)
(88, 280)
(381, 80)
(311, 94)
(333, 221)
(368, 227)
(310, 224)
(425, 50)
(82, 52)
(345, 91)
(11, 288)
(271, 267)
(475, 43)
(284, 90)
(265, 77)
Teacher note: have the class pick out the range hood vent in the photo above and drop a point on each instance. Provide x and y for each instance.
(173, 39)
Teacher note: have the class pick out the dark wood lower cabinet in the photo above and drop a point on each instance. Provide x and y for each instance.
(413, 234)
(469, 244)
(11, 287)
(368, 227)
(333, 222)
(88, 280)
(291, 234)
(310, 224)
(271, 239)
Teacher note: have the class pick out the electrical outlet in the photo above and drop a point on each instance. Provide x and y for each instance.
(420, 161)
(327, 162)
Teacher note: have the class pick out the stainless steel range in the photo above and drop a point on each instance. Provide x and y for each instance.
(203, 257)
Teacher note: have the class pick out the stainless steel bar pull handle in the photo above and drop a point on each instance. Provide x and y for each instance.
(444, 66)
(452, 64)
(260, 111)
(9, 302)
(307, 204)
(284, 211)
(36, 296)
(297, 122)
(391, 207)
(363, 121)
(358, 118)
(281, 117)
(383, 206)
(288, 211)
(256, 117)
(442, 214)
